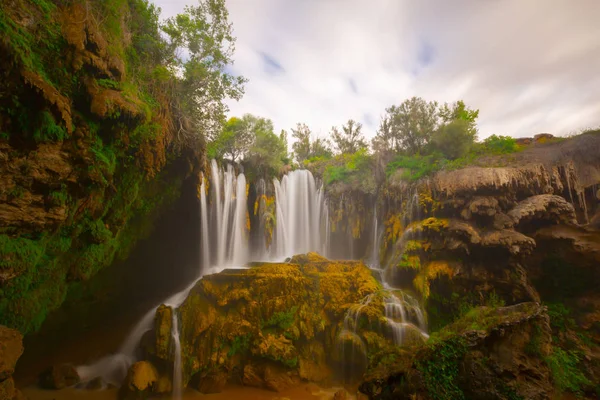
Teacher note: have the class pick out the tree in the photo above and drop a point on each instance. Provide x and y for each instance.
(283, 136)
(320, 148)
(384, 140)
(454, 139)
(350, 139)
(267, 152)
(201, 44)
(302, 144)
(418, 127)
(233, 141)
(412, 124)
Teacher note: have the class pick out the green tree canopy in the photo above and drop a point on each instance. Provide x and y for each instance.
(201, 44)
(301, 146)
(419, 127)
(251, 139)
(350, 139)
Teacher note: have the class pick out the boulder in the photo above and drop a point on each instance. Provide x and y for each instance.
(11, 348)
(252, 376)
(484, 354)
(7, 389)
(270, 375)
(486, 206)
(279, 378)
(164, 385)
(162, 329)
(545, 207)
(59, 377)
(214, 382)
(141, 379)
(340, 395)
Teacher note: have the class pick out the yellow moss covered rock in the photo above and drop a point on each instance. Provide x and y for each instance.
(275, 321)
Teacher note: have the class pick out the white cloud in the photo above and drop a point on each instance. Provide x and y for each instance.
(529, 66)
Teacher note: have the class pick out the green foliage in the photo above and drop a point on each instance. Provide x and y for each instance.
(205, 84)
(415, 167)
(347, 165)
(566, 373)
(350, 139)
(239, 345)
(60, 197)
(440, 368)
(19, 254)
(282, 319)
(108, 84)
(534, 345)
(454, 139)
(560, 317)
(499, 145)
(48, 130)
(106, 158)
(145, 132)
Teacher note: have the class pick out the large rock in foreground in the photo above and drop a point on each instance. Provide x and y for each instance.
(488, 354)
(270, 326)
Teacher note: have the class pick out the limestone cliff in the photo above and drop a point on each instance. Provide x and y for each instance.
(521, 229)
(86, 147)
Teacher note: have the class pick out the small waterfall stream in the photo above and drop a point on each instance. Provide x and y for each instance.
(177, 367)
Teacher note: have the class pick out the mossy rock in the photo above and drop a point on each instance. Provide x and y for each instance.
(285, 314)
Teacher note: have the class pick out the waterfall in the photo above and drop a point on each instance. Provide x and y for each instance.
(374, 259)
(177, 374)
(349, 336)
(113, 368)
(205, 249)
(403, 314)
(228, 218)
(301, 215)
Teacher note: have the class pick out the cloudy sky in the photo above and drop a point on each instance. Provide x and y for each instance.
(529, 66)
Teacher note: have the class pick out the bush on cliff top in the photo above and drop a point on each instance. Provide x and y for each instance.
(418, 166)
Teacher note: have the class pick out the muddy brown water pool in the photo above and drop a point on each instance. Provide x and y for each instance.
(307, 391)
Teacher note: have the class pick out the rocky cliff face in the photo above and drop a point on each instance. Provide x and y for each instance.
(86, 149)
(508, 230)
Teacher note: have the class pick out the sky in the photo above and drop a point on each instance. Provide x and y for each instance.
(529, 66)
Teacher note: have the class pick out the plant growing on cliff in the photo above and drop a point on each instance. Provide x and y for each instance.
(202, 43)
(440, 368)
(566, 375)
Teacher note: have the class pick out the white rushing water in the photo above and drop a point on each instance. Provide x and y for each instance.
(205, 248)
(228, 218)
(301, 216)
(177, 368)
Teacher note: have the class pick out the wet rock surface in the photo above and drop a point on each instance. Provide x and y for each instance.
(487, 354)
(59, 377)
(11, 348)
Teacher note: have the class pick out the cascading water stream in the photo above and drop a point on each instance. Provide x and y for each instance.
(205, 249)
(177, 368)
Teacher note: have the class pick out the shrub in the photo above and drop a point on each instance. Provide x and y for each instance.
(454, 140)
(499, 145)
(416, 166)
(565, 370)
(344, 166)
